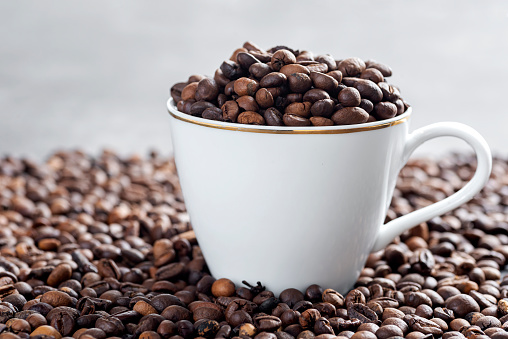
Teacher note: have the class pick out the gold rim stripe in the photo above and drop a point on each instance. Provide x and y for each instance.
(294, 131)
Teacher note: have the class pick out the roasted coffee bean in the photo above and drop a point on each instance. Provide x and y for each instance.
(259, 70)
(462, 304)
(351, 67)
(368, 89)
(281, 58)
(189, 91)
(295, 120)
(322, 108)
(149, 322)
(287, 70)
(245, 60)
(349, 116)
(299, 108)
(324, 81)
(389, 331)
(230, 111)
(385, 70)
(362, 313)
(385, 110)
(320, 121)
(61, 273)
(176, 91)
(373, 75)
(251, 118)
(309, 317)
(390, 93)
(247, 103)
(264, 98)
(246, 86)
(267, 323)
(314, 95)
(213, 113)
(231, 70)
(349, 97)
(299, 82)
(56, 298)
(273, 117)
(207, 90)
(317, 67)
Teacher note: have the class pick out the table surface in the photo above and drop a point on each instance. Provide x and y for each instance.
(96, 74)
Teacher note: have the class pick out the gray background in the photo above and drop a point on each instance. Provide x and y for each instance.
(95, 74)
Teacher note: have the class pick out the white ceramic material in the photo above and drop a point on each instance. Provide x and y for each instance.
(293, 206)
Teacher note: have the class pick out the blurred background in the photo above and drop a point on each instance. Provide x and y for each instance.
(96, 74)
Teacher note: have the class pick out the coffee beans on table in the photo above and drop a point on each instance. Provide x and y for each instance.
(102, 247)
(286, 87)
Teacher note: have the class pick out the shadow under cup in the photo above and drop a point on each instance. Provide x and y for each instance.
(287, 206)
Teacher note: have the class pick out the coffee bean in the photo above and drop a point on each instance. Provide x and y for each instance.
(295, 120)
(207, 90)
(246, 86)
(388, 331)
(231, 70)
(462, 304)
(399, 322)
(351, 67)
(368, 89)
(247, 103)
(259, 70)
(322, 108)
(321, 121)
(373, 75)
(362, 313)
(273, 117)
(189, 91)
(245, 60)
(230, 111)
(281, 58)
(213, 113)
(423, 325)
(47, 331)
(349, 97)
(299, 82)
(390, 93)
(385, 70)
(317, 67)
(350, 115)
(287, 70)
(325, 81)
(299, 108)
(251, 118)
(223, 287)
(176, 91)
(264, 98)
(56, 298)
(314, 95)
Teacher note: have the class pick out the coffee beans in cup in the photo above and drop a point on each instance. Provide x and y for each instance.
(286, 87)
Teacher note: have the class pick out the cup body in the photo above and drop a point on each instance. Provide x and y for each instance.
(287, 207)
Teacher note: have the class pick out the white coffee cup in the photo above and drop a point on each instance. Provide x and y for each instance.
(295, 206)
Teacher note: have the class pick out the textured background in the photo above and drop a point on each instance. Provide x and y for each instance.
(95, 74)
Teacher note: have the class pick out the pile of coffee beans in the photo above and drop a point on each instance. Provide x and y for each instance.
(96, 247)
(286, 87)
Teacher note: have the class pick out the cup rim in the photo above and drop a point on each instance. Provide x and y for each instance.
(336, 129)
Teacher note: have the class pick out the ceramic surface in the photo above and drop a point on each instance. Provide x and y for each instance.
(295, 206)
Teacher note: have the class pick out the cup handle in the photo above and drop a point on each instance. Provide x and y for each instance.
(390, 230)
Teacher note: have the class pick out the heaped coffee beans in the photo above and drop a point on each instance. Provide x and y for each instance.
(102, 247)
(268, 81)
